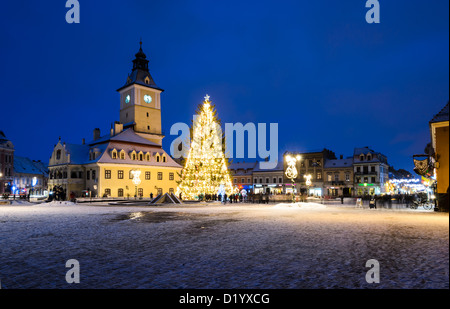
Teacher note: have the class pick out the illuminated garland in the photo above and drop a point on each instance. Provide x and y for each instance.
(205, 169)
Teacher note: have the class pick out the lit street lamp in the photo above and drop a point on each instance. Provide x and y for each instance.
(291, 171)
(136, 180)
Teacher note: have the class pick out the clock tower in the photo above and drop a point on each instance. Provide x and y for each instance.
(140, 103)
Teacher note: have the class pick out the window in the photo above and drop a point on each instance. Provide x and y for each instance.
(147, 157)
(249, 180)
(141, 192)
(122, 155)
(256, 180)
(235, 180)
(358, 169)
(120, 193)
(373, 169)
(160, 175)
(157, 158)
(141, 157)
(267, 179)
(73, 174)
(131, 174)
(274, 180)
(164, 158)
(318, 162)
(358, 179)
(329, 177)
(361, 158)
(171, 190)
(373, 179)
(310, 163)
(171, 176)
(366, 179)
(160, 191)
(120, 174)
(280, 180)
(88, 175)
(336, 177)
(369, 157)
(108, 192)
(147, 175)
(114, 155)
(319, 176)
(260, 180)
(107, 174)
(133, 157)
(58, 154)
(242, 180)
(347, 177)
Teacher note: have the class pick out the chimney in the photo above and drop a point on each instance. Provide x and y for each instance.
(96, 134)
(118, 127)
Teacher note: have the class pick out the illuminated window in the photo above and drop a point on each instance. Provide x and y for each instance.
(147, 175)
(120, 193)
(120, 174)
(160, 175)
(107, 174)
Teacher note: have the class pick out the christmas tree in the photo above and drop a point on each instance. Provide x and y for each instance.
(205, 170)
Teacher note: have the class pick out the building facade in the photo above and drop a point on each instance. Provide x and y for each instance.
(269, 181)
(310, 170)
(440, 140)
(6, 164)
(338, 177)
(371, 172)
(129, 160)
(30, 177)
(242, 175)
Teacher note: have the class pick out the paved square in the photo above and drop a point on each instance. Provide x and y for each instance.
(216, 246)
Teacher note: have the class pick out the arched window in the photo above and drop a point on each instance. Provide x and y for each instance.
(58, 154)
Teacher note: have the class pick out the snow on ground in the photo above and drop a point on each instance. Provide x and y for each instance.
(301, 245)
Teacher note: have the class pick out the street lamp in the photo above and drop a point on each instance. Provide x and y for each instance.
(291, 171)
(136, 180)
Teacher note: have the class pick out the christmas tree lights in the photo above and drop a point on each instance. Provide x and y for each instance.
(205, 170)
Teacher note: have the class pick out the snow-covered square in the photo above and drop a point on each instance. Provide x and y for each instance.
(216, 246)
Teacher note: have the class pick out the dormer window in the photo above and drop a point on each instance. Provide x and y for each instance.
(369, 157)
(133, 155)
(58, 154)
(361, 157)
(147, 156)
(164, 158)
(141, 156)
(147, 80)
(157, 157)
(122, 155)
(114, 154)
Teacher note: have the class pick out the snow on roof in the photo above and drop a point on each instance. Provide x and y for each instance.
(443, 115)
(279, 167)
(79, 154)
(105, 157)
(24, 165)
(127, 135)
(339, 163)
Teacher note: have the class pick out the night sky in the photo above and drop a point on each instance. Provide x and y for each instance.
(328, 78)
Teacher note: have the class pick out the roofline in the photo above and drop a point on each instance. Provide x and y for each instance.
(134, 83)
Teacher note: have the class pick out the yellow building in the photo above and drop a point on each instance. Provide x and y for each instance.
(128, 161)
(440, 141)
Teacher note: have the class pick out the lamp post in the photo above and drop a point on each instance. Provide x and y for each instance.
(291, 171)
(136, 180)
(308, 182)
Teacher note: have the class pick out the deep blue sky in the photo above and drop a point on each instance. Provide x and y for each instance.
(315, 67)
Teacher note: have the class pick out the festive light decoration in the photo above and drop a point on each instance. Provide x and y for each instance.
(205, 170)
(308, 180)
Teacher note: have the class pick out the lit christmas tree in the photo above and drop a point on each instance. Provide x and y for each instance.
(205, 170)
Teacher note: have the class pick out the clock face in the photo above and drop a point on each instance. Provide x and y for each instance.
(147, 98)
(127, 99)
